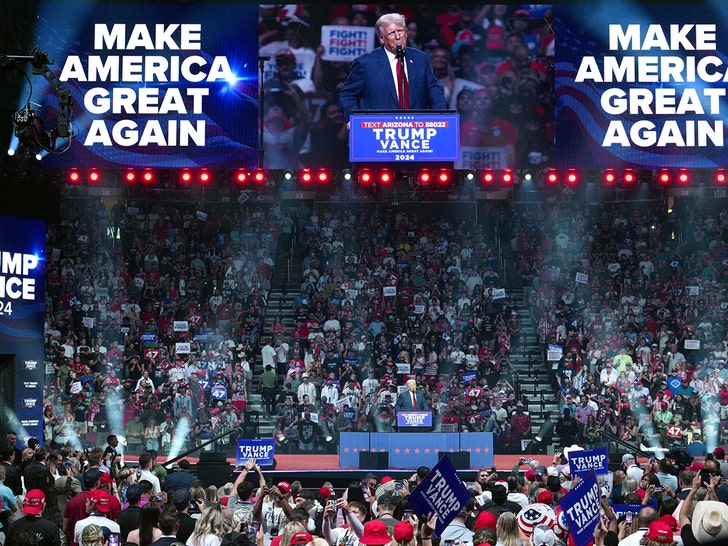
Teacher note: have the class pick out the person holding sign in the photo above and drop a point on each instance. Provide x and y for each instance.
(393, 76)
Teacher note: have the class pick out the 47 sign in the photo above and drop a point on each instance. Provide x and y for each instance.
(674, 431)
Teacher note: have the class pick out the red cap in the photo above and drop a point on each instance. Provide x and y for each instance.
(375, 534)
(285, 487)
(695, 467)
(545, 497)
(101, 499)
(106, 478)
(34, 502)
(485, 519)
(386, 479)
(403, 531)
(301, 538)
(530, 475)
(659, 531)
(325, 492)
(719, 452)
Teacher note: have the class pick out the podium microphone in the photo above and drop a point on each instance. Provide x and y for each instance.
(399, 52)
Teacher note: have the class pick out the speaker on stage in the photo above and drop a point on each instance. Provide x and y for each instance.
(373, 460)
(459, 459)
(212, 457)
(214, 473)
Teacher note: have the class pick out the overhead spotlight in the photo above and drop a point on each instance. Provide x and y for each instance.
(305, 176)
(385, 177)
(609, 177)
(365, 177)
(683, 177)
(148, 176)
(629, 177)
(527, 176)
(488, 177)
(241, 176)
(663, 177)
(94, 176)
(507, 177)
(130, 176)
(572, 177)
(185, 176)
(424, 178)
(552, 177)
(259, 176)
(469, 176)
(74, 177)
(443, 177)
(346, 174)
(205, 176)
(11, 152)
(288, 174)
(720, 176)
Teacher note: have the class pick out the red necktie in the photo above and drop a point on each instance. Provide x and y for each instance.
(402, 85)
(414, 398)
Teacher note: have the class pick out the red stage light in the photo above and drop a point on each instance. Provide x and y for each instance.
(683, 177)
(94, 176)
(130, 177)
(572, 177)
(205, 176)
(386, 177)
(424, 177)
(305, 176)
(323, 176)
(629, 177)
(663, 177)
(185, 176)
(443, 177)
(74, 176)
(507, 176)
(609, 177)
(241, 177)
(552, 177)
(259, 176)
(148, 176)
(365, 177)
(720, 176)
(488, 177)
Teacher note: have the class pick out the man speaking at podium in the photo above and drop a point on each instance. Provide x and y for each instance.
(393, 76)
(411, 399)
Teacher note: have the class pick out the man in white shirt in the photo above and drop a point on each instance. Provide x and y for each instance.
(306, 389)
(145, 463)
(98, 506)
(631, 468)
(268, 355)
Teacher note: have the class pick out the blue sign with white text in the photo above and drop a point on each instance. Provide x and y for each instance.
(404, 137)
(261, 450)
(441, 492)
(581, 509)
(414, 419)
(582, 461)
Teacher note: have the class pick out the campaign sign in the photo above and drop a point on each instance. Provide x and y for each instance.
(414, 419)
(149, 337)
(581, 508)
(404, 137)
(346, 43)
(583, 461)
(218, 393)
(622, 509)
(442, 492)
(260, 449)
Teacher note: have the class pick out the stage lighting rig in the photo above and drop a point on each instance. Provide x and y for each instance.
(28, 121)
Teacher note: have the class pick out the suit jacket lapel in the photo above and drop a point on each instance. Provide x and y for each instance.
(386, 70)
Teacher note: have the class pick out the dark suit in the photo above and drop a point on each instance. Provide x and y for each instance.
(371, 86)
(404, 402)
(165, 541)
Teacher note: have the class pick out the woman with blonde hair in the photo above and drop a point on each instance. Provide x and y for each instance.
(209, 529)
(506, 529)
(289, 530)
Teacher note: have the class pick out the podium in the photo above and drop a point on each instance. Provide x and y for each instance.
(396, 136)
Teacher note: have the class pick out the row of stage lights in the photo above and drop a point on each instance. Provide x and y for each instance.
(425, 178)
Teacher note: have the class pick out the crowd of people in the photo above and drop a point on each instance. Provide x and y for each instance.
(494, 63)
(92, 498)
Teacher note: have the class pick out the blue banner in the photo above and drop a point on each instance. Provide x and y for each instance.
(148, 337)
(442, 492)
(622, 509)
(467, 377)
(414, 419)
(350, 445)
(260, 449)
(218, 393)
(581, 509)
(204, 336)
(582, 461)
(480, 447)
(404, 137)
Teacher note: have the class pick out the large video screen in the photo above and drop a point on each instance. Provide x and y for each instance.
(153, 84)
(641, 85)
